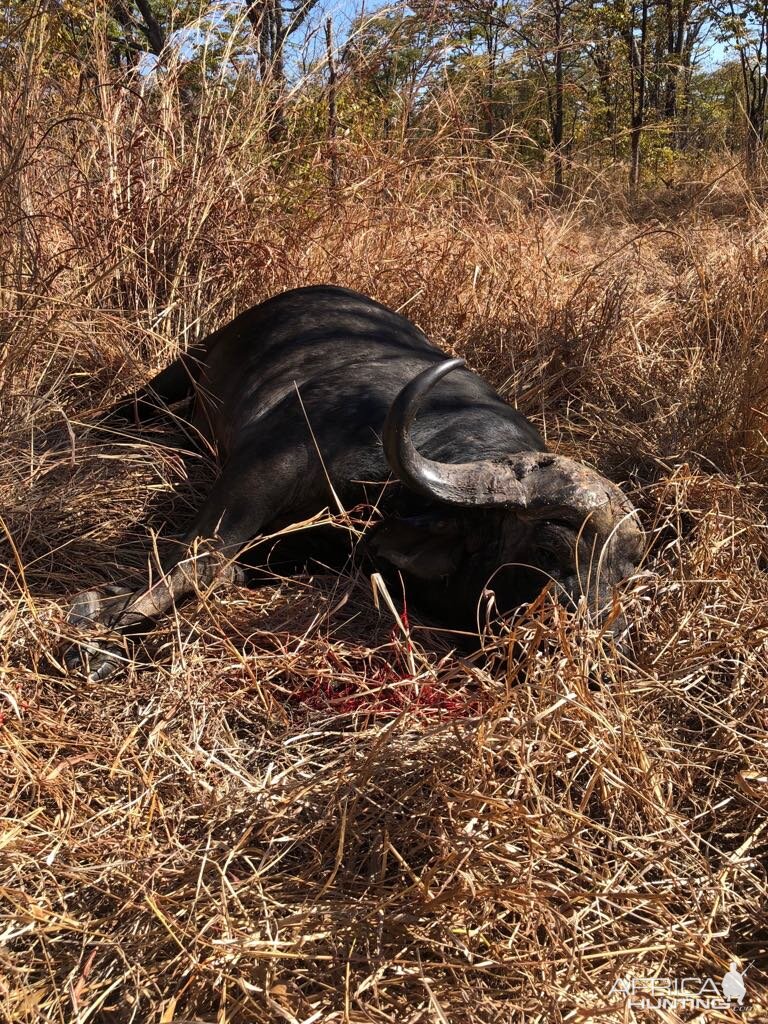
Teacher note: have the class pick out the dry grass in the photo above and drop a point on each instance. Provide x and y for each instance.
(301, 812)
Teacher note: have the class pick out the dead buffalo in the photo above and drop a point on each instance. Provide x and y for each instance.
(321, 394)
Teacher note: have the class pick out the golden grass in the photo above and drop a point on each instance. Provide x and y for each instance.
(300, 811)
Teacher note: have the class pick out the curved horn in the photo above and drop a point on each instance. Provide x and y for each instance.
(539, 482)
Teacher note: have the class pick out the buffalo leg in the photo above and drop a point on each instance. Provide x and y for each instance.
(232, 515)
(127, 611)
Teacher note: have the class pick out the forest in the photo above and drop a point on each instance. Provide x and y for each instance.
(562, 85)
(299, 801)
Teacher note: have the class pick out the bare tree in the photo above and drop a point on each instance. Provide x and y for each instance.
(547, 29)
(272, 24)
(140, 19)
(745, 26)
(332, 122)
(636, 38)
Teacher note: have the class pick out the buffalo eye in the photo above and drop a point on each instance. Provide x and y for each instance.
(556, 544)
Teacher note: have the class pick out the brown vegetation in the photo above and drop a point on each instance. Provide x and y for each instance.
(303, 811)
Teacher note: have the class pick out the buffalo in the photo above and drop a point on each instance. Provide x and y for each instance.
(321, 396)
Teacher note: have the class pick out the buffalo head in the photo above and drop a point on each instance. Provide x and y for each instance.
(512, 523)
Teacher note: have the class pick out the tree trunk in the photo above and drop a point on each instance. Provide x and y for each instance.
(491, 32)
(605, 82)
(559, 107)
(754, 77)
(332, 124)
(637, 61)
(755, 131)
(151, 27)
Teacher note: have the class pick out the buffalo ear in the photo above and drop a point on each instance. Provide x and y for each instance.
(428, 548)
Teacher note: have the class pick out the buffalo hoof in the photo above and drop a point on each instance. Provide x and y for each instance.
(97, 658)
(98, 661)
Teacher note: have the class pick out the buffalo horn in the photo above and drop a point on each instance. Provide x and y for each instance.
(541, 483)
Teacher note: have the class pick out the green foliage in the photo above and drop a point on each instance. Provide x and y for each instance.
(561, 82)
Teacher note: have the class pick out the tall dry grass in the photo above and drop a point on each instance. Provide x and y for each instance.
(301, 810)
